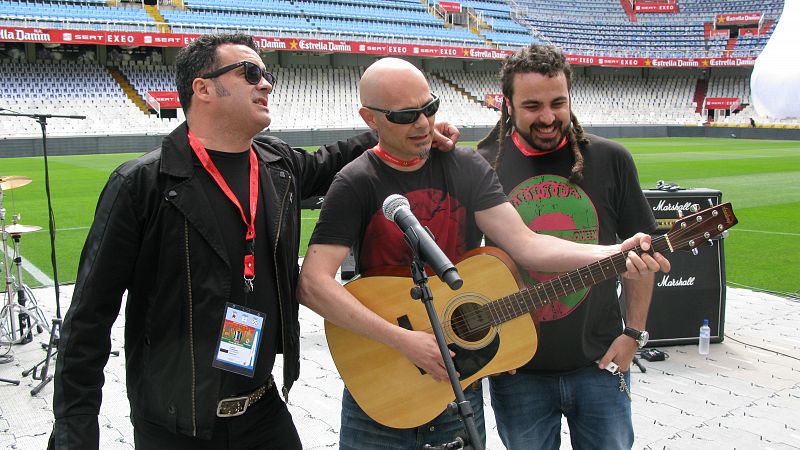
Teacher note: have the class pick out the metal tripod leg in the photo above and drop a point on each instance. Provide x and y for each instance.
(45, 363)
(9, 294)
(14, 382)
(24, 318)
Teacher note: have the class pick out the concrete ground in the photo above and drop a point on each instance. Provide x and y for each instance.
(744, 394)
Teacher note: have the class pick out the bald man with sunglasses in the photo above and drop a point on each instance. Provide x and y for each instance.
(203, 234)
(458, 197)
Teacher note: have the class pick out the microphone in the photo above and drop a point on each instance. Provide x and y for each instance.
(397, 209)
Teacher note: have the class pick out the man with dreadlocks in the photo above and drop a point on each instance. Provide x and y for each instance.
(580, 187)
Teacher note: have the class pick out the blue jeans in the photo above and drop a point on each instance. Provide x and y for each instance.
(528, 410)
(360, 432)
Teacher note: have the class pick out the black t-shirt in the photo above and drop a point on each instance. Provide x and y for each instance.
(444, 195)
(235, 169)
(606, 205)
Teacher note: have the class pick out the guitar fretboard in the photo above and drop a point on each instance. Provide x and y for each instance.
(543, 294)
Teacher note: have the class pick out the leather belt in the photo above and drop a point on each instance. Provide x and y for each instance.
(236, 406)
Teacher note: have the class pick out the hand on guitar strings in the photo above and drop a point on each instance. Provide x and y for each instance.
(422, 350)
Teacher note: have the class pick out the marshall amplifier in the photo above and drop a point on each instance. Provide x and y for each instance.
(695, 287)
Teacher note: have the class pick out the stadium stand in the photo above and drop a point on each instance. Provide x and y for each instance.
(67, 87)
(602, 27)
(586, 27)
(316, 98)
(380, 20)
(82, 15)
(73, 80)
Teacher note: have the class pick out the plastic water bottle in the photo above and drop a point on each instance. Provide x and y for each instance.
(705, 338)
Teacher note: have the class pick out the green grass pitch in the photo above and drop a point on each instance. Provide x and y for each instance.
(760, 179)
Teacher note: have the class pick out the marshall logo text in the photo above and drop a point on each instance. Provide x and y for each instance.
(668, 281)
(664, 206)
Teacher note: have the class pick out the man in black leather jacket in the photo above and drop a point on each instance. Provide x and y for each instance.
(206, 224)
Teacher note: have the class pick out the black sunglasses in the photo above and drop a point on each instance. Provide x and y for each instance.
(252, 72)
(406, 116)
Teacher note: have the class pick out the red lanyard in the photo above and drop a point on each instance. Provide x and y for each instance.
(527, 150)
(250, 236)
(387, 157)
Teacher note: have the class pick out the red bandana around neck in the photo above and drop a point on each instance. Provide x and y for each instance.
(382, 154)
(527, 150)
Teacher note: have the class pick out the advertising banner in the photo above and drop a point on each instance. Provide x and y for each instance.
(655, 7)
(721, 103)
(162, 100)
(132, 39)
(739, 18)
(450, 6)
(493, 100)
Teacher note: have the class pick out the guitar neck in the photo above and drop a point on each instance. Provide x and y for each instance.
(543, 294)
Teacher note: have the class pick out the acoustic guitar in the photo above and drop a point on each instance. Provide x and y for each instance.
(487, 322)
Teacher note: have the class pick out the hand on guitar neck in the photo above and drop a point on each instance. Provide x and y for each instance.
(639, 267)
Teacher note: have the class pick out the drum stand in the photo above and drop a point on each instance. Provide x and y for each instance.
(17, 294)
(18, 305)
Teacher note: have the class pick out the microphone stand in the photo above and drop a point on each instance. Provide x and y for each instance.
(461, 406)
(56, 327)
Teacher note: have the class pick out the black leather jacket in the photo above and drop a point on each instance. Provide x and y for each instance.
(155, 235)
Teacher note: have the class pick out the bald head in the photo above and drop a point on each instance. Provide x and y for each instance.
(388, 80)
(390, 86)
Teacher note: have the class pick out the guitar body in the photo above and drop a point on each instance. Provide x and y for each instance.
(392, 390)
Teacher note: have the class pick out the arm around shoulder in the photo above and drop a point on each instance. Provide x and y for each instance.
(317, 169)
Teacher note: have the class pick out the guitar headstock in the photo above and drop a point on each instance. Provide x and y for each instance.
(694, 230)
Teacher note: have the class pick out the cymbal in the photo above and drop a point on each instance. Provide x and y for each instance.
(11, 182)
(18, 228)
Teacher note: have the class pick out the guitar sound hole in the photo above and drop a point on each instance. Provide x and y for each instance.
(471, 322)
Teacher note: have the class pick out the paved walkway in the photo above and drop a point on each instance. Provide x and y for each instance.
(745, 394)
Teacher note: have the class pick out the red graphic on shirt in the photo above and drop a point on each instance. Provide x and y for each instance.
(552, 221)
(445, 216)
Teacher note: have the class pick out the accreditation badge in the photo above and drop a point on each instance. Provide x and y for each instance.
(240, 336)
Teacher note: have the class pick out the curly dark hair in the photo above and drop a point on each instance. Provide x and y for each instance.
(544, 60)
(199, 58)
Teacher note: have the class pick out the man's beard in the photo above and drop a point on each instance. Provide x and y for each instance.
(542, 145)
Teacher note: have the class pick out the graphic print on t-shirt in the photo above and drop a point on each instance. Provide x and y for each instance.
(383, 244)
(550, 204)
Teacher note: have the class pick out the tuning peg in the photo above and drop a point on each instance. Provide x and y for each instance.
(680, 214)
(694, 208)
(695, 252)
(710, 202)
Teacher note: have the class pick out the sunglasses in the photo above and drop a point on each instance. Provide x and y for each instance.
(406, 116)
(253, 73)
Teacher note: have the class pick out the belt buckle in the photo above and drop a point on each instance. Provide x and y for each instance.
(222, 411)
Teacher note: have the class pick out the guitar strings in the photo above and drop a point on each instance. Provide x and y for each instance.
(682, 238)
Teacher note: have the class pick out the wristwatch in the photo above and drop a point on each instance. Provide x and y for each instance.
(641, 336)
